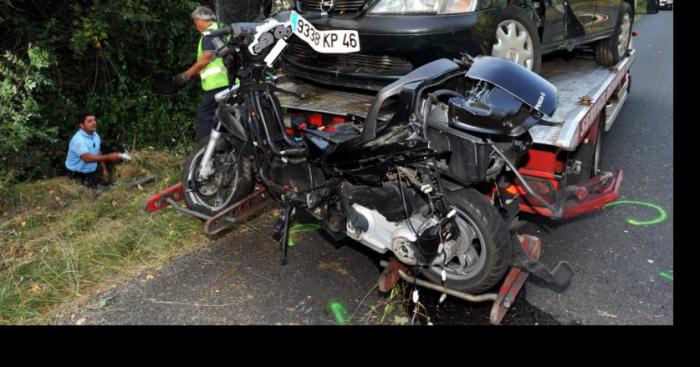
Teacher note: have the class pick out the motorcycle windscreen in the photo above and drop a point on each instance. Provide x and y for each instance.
(532, 89)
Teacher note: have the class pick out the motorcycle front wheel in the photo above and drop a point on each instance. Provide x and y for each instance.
(484, 247)
(231, 181)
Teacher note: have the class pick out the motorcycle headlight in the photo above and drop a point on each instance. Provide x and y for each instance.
(424, 7)
(278, 6)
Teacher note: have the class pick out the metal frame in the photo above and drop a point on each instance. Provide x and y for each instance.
(502, 301)
(250, 205)
(585, 94)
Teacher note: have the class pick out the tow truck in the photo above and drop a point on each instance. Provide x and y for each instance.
(567, 146)
(563, 161)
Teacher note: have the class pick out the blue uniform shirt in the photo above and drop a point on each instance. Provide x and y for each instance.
(82, 143)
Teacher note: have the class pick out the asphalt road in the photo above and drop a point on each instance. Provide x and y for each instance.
(618, 265)
(624, 272)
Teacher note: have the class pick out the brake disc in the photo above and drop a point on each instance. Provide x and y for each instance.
(225, 171)
(208, 189)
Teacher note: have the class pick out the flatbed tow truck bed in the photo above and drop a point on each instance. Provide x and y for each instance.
(584, 89)
(588, 94)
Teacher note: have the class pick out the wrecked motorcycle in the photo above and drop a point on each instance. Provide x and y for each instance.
(429, 184)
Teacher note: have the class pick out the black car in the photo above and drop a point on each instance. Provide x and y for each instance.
(397, 36)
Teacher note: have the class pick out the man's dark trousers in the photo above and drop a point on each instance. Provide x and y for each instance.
(87, 179)
(205, 113)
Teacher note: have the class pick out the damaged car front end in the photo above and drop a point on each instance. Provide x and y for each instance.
(396, 38)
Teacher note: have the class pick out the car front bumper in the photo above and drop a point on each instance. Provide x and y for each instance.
(412, 41)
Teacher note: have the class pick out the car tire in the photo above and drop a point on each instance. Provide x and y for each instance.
(609, 51)
(652, 6)
(514, 18)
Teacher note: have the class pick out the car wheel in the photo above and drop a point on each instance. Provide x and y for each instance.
(652, 6)
(609, 51)
(517, 39)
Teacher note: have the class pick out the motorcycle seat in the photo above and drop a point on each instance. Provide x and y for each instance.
(328, 140)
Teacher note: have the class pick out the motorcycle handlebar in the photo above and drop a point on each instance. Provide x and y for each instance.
(218, 32)
(235, 29)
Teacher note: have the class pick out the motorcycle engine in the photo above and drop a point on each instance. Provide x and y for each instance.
(388, 217)
(399, 237)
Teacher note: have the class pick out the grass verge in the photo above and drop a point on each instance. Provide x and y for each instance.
(59, 246)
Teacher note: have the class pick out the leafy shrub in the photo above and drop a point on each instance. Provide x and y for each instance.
(20, 79)
(105, 57)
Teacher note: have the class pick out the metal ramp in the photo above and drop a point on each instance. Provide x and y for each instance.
(353, 105)
(584, 89)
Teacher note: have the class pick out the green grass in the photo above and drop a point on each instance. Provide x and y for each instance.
(640, 9)
(640, 6)
(59, 247)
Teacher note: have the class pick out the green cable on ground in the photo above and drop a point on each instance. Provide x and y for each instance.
(339, 312)
(301, 228)
(666, 275)
(661, 218)
(298, 228)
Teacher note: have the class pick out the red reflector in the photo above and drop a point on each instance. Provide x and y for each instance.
(581, 194)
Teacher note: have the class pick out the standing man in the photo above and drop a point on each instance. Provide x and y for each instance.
(211, 70)
(84, 154)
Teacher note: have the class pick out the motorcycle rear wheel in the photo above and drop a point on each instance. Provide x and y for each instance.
(224, 187)
(488, 255)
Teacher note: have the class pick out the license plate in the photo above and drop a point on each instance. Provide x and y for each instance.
(327, 42)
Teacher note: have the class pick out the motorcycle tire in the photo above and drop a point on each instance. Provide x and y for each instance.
(244, 177)
(495, 242)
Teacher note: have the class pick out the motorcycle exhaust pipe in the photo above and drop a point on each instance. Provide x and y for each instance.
(438, 288)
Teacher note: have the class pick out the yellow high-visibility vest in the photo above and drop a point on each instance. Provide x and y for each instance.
(213, 75)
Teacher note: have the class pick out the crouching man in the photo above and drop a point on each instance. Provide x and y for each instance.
(84, 154)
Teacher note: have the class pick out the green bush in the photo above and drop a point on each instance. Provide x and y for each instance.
(105, 56)
(20, 114)
(640, 6)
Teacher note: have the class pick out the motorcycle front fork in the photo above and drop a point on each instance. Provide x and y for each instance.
(205, 166)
